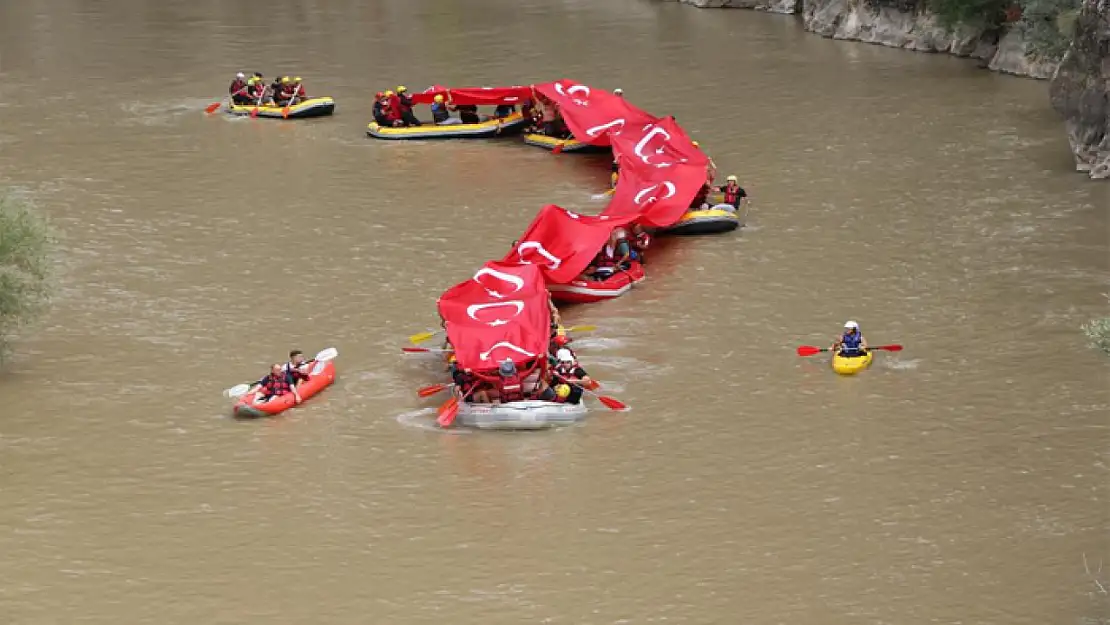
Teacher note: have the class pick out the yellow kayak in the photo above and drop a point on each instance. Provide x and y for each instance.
(484, 130)
(709, 221)
(312, 107)
(851, 366)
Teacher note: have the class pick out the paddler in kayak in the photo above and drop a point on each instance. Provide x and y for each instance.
(851, 343)
(735, 195)
(279, 382)
(405, 101)
(238, 89)
(569, 372)
(640, 242)
(614, 256)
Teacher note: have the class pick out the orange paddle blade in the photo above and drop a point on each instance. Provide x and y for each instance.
(211, 108)
(415, 350)
(611, 403)
(888, 348)
(809, 350)
(254, 113)
(557, 149)
(428, 391)
(447, 412)
(285, 113)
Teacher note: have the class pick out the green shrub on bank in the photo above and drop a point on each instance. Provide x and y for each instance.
(1049, 26)
(1098, 332)
(25, 269)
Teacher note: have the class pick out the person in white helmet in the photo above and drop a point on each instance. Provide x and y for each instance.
(618, 92)
(238, 90)
(567, 371)
(851, 343)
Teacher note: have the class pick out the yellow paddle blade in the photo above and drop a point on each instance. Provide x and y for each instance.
(420, 338)
(581, 328)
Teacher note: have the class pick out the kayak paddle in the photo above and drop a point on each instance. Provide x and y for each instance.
(428, 391)
(241, 389)
(609, 402)
(450, 409)
(285, 111)
(809, 350)
(426, 350)
(211, 108)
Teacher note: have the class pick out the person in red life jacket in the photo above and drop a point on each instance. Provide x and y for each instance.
(614, 256)
(238, 89)
(510, 386)
(392, 109)
(278, 383)
(568, 371)
(298, 93)
(466, 384)
(735, 195)
(640, 242)
(381, 104)
(284, 95)
(405, 101)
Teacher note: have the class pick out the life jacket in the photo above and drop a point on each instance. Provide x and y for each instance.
(236, 86)
(278, 386)
(643, 240)
(850, 342)
(732, 196)
(405, 102)
(439, 112)
(565, 370)
(510, 388)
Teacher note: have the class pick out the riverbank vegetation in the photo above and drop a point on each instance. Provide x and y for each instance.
(1048, 25)
(1098, 332)
(25, 269)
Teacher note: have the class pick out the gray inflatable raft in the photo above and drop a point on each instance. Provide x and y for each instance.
(530, 414)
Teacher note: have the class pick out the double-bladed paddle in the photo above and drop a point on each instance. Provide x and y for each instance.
(809, 350)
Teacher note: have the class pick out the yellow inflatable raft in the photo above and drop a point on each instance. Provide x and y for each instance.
(312, 107)
(484, 130)
(710, 221)
(851, 366)
(569, 145)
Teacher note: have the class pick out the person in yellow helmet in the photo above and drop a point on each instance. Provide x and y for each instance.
(284, 96)
(299, 94)
(440, 115)
(404, 100)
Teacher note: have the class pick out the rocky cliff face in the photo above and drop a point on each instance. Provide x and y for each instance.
(901, 26)
(1080, 90)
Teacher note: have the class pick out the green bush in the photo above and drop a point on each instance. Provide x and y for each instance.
(1049, 26)
(979, 13)
(1098, 333)
(25, 268)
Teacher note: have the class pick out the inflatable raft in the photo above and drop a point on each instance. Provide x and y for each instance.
(532, 414)
(312, 107)
(569, 145)
(851, 366)
(320, 376)
(485, 130)
(584, 291)
(710, 221)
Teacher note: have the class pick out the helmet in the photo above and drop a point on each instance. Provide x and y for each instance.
(401, 89)
(252, 81)
(438, 98)
(379, 95)
(561, 339)
(730, 179)
(506, 368)
(451, 359)
(618, 91)
(388, 93)
(695, 143)
(564, 355)
(297, 79)
(851, 325)
(285, 80)
(562, 391)
(620, 233)
(240, 75)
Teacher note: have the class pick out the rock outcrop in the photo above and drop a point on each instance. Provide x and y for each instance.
(900, 24)
(1080, 90)
(773, 6)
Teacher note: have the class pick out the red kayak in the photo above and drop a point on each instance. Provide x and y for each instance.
(584, 291)
(320, 376)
